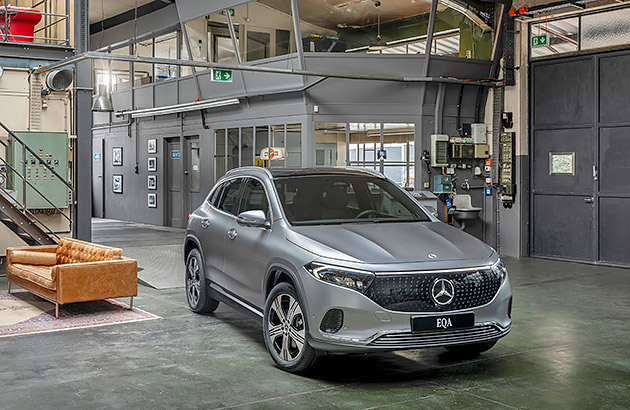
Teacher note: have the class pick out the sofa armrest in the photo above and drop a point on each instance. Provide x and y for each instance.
(87, 281)
(41, 248)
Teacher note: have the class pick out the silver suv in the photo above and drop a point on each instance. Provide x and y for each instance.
(341, 260)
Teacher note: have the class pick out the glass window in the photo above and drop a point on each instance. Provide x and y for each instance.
(166, 47)
(219, 153)
(606, 29)
(330, 144)
(294, 145)
(554, 37)
(216, 194)
(194, 166)
(247, 146)
(232, 148)
(335, 199)
(258, 44)
(229, 198)
(262, 141)
(277, 141)
(562, 163)
(254, 197)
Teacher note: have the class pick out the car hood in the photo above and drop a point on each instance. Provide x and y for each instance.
(381, 243)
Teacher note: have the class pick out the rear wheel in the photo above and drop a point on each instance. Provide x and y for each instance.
(197, 293)
(284, 329)
(471, 349)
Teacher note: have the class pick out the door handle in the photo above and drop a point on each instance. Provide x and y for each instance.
(589, 200)
(205, 223)
(186, 172)
(232, 234)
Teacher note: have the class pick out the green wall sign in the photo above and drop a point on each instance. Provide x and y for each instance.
(223, 76)
(540, 41)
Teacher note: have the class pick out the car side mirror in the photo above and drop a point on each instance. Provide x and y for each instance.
(256, 218)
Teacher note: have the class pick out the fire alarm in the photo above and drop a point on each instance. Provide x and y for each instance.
(523, 9)
(512, 12)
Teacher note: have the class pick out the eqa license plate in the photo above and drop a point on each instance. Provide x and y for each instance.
(445, 322)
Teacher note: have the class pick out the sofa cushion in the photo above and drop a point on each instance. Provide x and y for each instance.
(41, 275)
(33, 258)
(76, 251)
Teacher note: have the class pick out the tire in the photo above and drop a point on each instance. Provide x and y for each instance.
(197, 293)
(471, 349)
(284, 330)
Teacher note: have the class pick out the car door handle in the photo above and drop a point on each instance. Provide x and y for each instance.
(589, 200)
(205, 223)
(232, 233)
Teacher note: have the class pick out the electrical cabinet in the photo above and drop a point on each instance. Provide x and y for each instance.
(442, 184)
(507, 185)
(439, 150)
(52, 148)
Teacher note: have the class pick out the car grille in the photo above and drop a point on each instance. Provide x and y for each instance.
(412, 292)
(439, 338)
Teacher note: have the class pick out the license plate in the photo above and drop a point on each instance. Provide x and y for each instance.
(444, 322)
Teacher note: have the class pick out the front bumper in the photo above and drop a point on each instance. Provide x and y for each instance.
(368, 326)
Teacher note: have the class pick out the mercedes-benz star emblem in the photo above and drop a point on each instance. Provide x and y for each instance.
(432, 256)
(442, 292)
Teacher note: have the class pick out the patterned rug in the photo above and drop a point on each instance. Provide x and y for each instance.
(23, 313)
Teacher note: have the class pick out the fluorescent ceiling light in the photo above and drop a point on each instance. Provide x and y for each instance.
(173, 109)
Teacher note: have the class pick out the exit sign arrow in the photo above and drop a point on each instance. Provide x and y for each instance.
(222, 76)
(540, 41)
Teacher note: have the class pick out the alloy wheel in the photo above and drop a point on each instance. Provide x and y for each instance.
(193, 281)
(287, 332)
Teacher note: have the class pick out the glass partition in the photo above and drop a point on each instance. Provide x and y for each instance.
(330, 144)
(219, 153)
(294, 145)
(232, 148)
(165, 47)
(278, 141)
(247, 146)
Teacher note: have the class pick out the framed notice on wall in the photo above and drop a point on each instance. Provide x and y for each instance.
(117, 156)
(152, 146)
(117, 184)
(152, 164)
(152, 182)
(152, 200)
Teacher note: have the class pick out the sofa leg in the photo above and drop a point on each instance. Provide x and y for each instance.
(131, 303)
(56, 310)
(9, 283)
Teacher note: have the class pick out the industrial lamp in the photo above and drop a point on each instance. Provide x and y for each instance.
(379, 45)
(102, 103)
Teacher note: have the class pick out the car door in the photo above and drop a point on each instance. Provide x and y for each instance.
(247, 250)
(218, 214)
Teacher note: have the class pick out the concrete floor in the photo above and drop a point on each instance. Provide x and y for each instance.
(569, 348)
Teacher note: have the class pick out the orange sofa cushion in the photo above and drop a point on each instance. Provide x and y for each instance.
(34, 258)
(76, 251)
(41, 275)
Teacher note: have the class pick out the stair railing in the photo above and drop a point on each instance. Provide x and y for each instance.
(26, 183)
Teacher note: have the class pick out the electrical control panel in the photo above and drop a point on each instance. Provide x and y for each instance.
(507, 166)
(439, 150)
(50, 147)
(442, 184)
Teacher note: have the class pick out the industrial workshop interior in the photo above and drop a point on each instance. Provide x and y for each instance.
(317, 204)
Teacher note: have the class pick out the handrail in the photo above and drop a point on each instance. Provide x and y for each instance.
(35, 189)
(47, 230)
(41, 161)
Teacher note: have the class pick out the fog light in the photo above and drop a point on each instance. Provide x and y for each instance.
(332, 321)
(509, 312)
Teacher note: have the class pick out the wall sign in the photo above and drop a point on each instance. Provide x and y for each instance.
(540, 41)
(117, 184)
(97, 156)
(273, 153)
(152, 146)
(117, 156)
(176, 154)
(222, 76)
(152, 164)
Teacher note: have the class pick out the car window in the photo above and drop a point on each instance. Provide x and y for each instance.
(334, 199)
(214, 198)
(229, 196)
(254, 197)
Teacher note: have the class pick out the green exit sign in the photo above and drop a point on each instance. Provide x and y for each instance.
(223, 76)
(541, 40)
(231, 12)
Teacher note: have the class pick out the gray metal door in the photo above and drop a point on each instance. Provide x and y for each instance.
(581, 158)
(175, 195)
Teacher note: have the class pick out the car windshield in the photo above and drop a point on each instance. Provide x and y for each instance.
(338, 198)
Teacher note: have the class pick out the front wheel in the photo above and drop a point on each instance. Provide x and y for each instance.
(471, 349)
(197, 294)
(284, 329)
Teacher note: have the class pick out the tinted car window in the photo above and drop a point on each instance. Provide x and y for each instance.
(229, 196)
(216, 194)
(333, 199)
(254, 197)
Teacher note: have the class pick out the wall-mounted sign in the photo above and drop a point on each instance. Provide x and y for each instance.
(381, 154)
(97, 156)
(231, 12)
(273, 153)
(222, 76)
(176, 154)
(540, 41)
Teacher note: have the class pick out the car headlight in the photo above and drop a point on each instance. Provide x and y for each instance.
(499, 269)
(348, 278)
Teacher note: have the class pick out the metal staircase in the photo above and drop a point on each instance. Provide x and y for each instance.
(15, 214)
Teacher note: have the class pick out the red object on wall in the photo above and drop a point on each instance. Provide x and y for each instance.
(21, 23)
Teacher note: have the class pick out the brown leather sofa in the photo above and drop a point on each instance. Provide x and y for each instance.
(73, 271)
